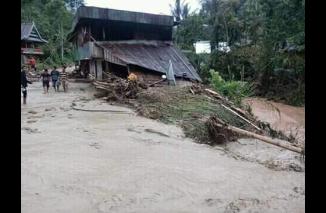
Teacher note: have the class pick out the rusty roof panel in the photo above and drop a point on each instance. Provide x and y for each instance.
(153, 56)
(121, 15)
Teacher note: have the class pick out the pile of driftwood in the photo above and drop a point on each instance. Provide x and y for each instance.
(116, 89)
(221, 132)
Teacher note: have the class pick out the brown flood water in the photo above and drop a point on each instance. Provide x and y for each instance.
(289, 119)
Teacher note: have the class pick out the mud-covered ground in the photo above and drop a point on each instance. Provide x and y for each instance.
(82, 161)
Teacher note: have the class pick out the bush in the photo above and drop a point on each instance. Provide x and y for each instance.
(201, 63)
(234, 90)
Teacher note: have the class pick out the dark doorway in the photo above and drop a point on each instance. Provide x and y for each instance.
(118, 70)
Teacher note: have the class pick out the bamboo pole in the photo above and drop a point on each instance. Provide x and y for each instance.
(241, 117)
(218, 96)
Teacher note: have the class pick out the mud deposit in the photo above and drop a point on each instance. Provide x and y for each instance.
(83, 161)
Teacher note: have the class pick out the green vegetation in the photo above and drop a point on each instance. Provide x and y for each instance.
(267, 42)
(178, 106)
(234, 90)
(266, 38)
(53, 19)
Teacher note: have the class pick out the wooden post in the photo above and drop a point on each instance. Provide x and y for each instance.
(106, 68)
(92, 67)
(99, 70)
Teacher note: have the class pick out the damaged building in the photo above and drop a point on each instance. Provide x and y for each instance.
(117, 41)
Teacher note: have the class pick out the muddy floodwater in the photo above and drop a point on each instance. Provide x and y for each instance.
(289, 119)
(83, 162)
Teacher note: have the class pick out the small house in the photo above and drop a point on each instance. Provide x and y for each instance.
(31, 40)
(118, 41)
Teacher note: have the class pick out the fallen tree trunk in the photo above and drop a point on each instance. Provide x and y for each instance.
(221, 126)
(215, 94)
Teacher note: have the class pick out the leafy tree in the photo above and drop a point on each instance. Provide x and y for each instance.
(53, 19)
(267, 40)
(180, 10)
(176, 10)
(185, 10)
(191, 30)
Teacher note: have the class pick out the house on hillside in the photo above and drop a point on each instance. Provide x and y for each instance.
(116, 41)
(30, 42)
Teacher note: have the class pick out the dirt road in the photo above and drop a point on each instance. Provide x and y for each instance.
(80, 161)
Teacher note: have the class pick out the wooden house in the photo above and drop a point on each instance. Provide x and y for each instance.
(31, 40)
(108, 40)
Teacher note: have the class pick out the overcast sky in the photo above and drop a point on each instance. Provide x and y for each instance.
(149, 6)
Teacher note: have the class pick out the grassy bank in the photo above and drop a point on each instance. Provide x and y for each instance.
(190, 111)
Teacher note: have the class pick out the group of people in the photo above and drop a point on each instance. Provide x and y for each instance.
(57, 78)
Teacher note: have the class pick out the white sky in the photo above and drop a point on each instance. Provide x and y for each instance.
(148, 6)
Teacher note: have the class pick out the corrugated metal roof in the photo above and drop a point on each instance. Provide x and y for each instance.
(26, 30)
(153, 56)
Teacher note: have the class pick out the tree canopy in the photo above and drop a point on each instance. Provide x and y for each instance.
(267, 41)
(53, 19)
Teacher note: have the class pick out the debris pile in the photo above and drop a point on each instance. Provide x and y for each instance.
(204, 114)
(118, 89)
